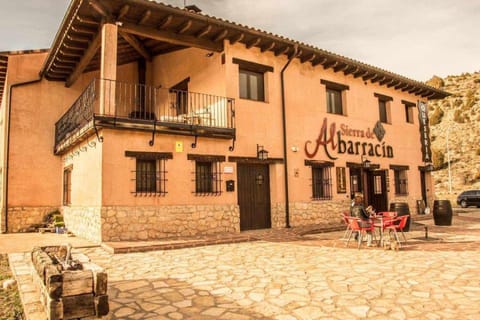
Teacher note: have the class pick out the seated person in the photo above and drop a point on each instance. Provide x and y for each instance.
(358, 210)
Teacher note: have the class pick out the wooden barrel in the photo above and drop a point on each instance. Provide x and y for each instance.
(402, 209)
(442, 212)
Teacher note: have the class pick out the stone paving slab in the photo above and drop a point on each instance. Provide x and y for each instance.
(309, 277)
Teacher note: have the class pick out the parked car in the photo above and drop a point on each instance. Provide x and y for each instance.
(469, 198)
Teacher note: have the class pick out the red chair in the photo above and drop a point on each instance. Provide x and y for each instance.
(348, 230)
(361, 231)
(388, 217)
(398, 224)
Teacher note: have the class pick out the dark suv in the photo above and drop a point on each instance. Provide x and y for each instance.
(469, 198)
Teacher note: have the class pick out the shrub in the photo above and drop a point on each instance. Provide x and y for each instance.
(470, 100)
(458, 116)
(438, 158)
(436, 117)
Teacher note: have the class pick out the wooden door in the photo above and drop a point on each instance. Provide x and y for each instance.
(377, 190)
(254, 196)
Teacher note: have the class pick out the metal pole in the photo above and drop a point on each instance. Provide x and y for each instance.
(448, 160)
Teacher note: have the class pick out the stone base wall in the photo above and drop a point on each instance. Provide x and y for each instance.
(277, 215)
(84, 222)
(149, 223)
(24, 219)
(317, 212)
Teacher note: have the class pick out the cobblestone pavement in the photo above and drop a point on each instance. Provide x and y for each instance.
(315, 277)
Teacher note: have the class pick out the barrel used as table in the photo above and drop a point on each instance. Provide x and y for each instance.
(442, 212)
(402, 209)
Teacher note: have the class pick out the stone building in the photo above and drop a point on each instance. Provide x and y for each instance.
(145, 121)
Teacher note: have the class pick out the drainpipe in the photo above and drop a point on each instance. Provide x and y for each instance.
(284, 123)
(7, 151)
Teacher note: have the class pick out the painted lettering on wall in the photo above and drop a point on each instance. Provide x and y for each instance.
(339, 142)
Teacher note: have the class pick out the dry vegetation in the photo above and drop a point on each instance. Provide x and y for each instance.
(10, 304)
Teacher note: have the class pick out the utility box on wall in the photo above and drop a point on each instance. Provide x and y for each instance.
(230, 185)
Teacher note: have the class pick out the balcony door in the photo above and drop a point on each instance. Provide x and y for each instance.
(181, 96)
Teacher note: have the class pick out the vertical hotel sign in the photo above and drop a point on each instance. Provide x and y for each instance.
(424, 132)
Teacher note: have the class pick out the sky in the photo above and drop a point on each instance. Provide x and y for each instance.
(413, 38)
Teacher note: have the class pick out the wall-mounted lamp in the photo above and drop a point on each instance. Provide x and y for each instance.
(262, 154)
(208, 55)
(365, 162)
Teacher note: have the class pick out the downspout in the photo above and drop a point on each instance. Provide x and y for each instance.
(284, 122)
(7, 151)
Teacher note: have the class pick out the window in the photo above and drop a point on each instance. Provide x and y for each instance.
(180, 90)
(207, 174)
(409, 106)
(334, 101)
(384, 107)
(334, 93)
(401, 180)
(146, 177)
(251, 85)
(321, 179)
(252, 79)
(67, 186)
(149, 176)
(321, 183)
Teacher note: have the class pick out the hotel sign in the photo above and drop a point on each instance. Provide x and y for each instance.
(424, 132)
(347, 140)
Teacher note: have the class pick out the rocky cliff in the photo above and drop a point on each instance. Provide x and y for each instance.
(455, 134)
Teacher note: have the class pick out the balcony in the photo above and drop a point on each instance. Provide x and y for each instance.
(115, 104)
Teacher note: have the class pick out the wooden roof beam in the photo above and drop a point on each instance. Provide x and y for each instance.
(283, 50)
(204, 31)
(146, 15)
(171, 37)
(184, 28)
(340, 67)
(360, 73)
(319, 61)
(123, 12)
(350, 70)
(238, 38)
(137, 45)
(254, 42)
(83, 30)
(73, 47)
(408, 87)
(401, 85)
(393, 83)
(415, 90)
(308, 58)
(70, 54)
(85, 60)
(268, 47)
(67, 60)
(100, 9)
(330, 64)
(165, 22)
(369, 75)
(377, 78)
(78, 39)
(220, 36)
(88, 21)
(428, 94)
(386, 80)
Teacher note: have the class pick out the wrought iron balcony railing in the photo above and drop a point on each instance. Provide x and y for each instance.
(139, 106)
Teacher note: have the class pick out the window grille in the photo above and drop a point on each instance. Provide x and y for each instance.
(207, 178)
(149, 176)
(321, 183)
(401, 182)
